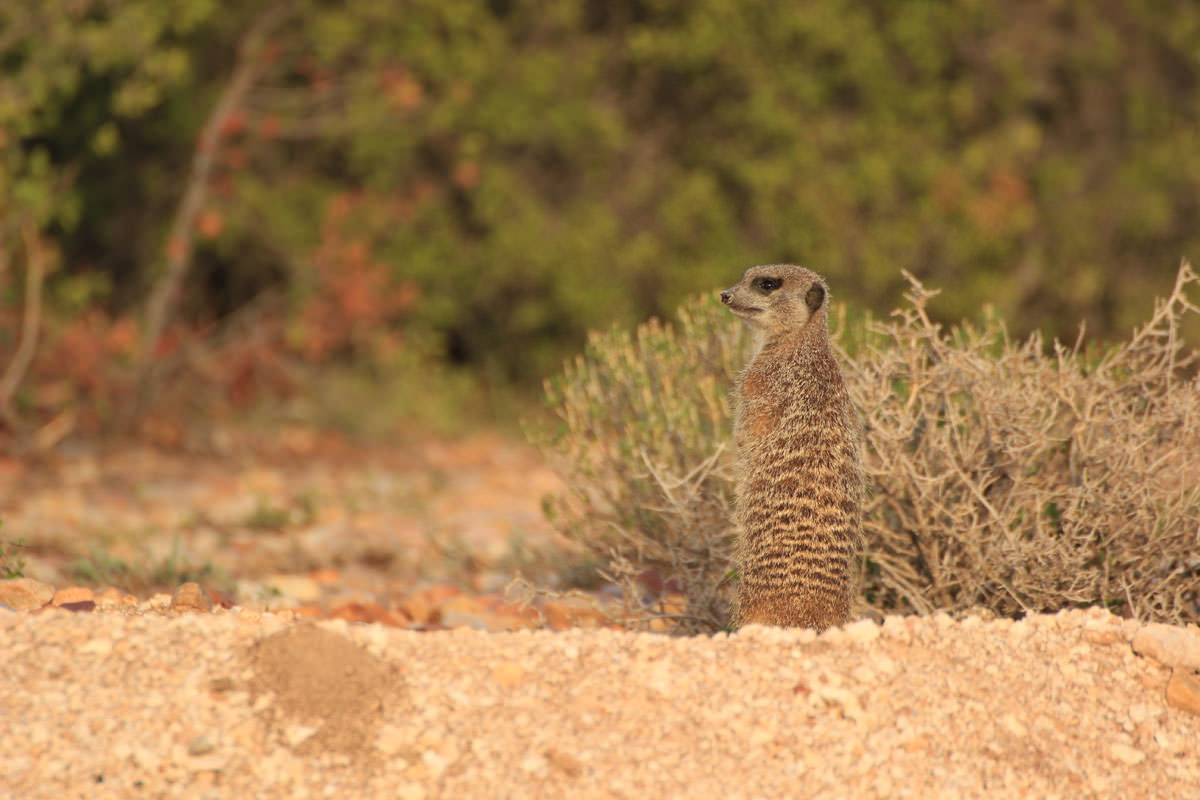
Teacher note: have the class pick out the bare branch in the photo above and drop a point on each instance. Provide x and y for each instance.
(35, 275)
(179, 247)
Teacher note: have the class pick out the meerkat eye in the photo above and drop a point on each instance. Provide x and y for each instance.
(769, 284)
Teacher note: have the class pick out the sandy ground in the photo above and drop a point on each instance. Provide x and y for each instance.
(241, 704)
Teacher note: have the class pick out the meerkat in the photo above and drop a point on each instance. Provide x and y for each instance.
(799, 472)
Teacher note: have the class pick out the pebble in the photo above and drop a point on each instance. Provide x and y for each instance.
(508, 674)
(1183, 691)
(158, 602)
(1140, 712)
(1126, 754)
(1169, 645)
(200, 746)
(114, 598)
(300, 588)
(862, 631)
(190, 597)
(1014, 725)
(410, 791)
(897, 628)
(73, 594)
(96, 647)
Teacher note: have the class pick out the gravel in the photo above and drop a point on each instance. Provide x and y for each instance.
(233, 703)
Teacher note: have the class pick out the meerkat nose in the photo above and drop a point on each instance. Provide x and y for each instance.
(726, 296)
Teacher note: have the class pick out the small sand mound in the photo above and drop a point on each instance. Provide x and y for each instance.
(331, 691)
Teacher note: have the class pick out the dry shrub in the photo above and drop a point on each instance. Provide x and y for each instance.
(1005, 477)
(1000, 474)
(642, 442)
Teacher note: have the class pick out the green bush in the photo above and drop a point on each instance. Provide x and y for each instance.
(539, 169)
(641, 439)
(1009, 475)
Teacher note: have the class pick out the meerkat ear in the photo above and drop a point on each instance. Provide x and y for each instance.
(815, 297)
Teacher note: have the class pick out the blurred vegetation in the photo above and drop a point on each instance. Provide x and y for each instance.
(492, 180)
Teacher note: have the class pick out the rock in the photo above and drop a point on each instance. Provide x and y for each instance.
(249, 615)
(82, 605)
(465, 619)
(434, 762)
(1102, 636)
(25, 594)
(160, 601)
(897, 628)
(200, 746)
(297, 734)
(392, 740)
(96, 647)
(467, 612)
(109, 598)
(353, 611)
(564, 762)
(73, 594)
(190, 597)
(508, 674)
(862, 631)
(300, 588)
(1183, 691)
(1126, 754)
(418, 608)
(1169, 645)
(1140, 712)
(1014, 726)
(1174, 745)
(326, 576)
(411, 791)
(572, 613)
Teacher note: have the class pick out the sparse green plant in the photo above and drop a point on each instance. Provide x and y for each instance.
(100, 567)
(267, 517)
(309, 503)
(1015, 476)
(177, 568)
(11, 564)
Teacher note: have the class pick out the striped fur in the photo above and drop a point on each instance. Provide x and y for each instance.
(799, 495)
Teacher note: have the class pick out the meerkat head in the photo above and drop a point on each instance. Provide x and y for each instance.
(776, 297)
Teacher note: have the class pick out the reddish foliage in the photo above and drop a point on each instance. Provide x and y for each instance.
(233, 124)
(400, 88)
(210, 223)
(355, 297)
(270, 126)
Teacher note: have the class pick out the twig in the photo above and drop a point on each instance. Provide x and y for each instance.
(34, 276)
(179, 246)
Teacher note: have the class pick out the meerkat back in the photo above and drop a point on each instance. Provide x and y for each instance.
(799, 478)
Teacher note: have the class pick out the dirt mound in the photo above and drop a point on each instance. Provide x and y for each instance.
(330, 691)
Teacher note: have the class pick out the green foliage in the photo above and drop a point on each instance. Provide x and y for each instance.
(11, 564)
(102, 568)
(640, 438)
(267, 517)
(538, 169)
(998, 475)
